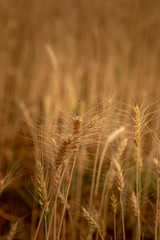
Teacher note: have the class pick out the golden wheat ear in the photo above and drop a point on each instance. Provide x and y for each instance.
(134, 204)
(41, 186)
(91, 221)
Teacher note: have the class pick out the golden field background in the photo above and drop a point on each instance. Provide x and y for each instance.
(61, 59)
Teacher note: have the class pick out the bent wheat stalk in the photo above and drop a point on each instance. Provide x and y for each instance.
(109, 140)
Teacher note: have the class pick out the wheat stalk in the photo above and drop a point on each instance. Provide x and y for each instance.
(157, 165)
(109, 140)
(41, 186)
(137, 140)
(114, 210)
(119, 177)
(108, 183)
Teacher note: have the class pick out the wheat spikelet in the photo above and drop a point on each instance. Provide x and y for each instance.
(117, 167)
(113, 203)
(41, 187)
(137, 126)
(69, 144)
(12, 231)
(110, 178)
(119, 175)
(57, 176)
(137, 134)
(63, 151)
(92, 222)
(77, 131)
(134, 204)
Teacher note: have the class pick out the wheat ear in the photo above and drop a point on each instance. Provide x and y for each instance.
(61, 157)
(41, 187)
(92, 222)
(77, 132)
(134, 204)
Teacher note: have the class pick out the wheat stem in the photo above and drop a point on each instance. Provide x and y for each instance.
(56, 196)
(157, 165)
(137, 140)
(67, 193)
(114, 209)
(109, 140)
(46, 226)
(123, 225)
(94, 173)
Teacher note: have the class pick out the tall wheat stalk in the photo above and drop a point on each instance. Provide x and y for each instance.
(137, 140)
(41, 186)
(120, 178)
(109, 140)
(108, 182)
(157, 164)
(67, 193)
(114, 210)
(94, 172)
(120, 186)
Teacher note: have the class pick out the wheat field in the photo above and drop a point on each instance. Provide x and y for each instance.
(79, 120)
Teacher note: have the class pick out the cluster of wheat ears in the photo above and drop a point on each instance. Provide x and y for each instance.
(92, 175)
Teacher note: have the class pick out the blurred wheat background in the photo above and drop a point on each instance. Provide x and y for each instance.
(79, 119)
